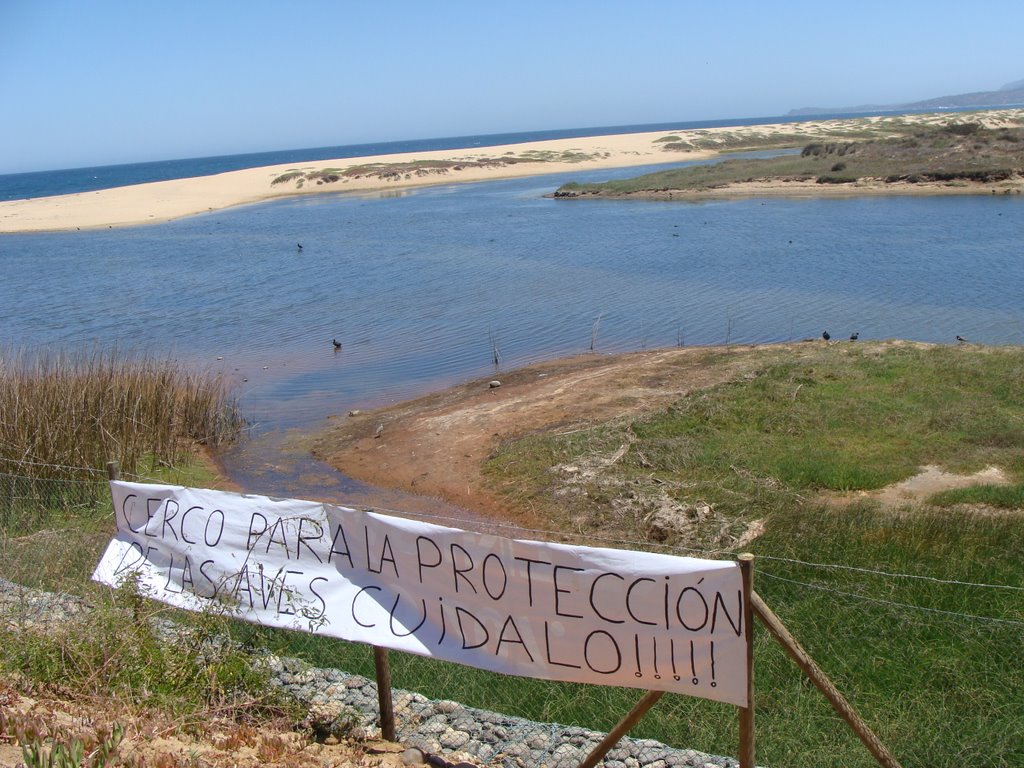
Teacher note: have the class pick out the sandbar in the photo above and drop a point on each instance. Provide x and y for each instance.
(163, 201)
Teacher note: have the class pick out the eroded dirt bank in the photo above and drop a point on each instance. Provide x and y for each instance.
(437, 444)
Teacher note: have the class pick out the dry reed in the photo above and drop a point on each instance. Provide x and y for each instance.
(82, 409)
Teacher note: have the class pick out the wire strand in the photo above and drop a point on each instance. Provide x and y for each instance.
(891, 574)
(893, 603)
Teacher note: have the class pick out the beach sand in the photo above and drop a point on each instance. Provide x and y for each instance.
(167, 200)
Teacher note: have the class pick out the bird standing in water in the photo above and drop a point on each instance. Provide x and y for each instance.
(961, 339)
(336, 343)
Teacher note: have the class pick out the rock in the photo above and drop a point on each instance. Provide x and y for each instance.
(413, 756)
(453, 739)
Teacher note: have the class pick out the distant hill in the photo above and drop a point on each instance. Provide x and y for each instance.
(1011, 93)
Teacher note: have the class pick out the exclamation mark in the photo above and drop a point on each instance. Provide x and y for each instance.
(654, 642)
(693, 665)
(672, 653)
(444, 629)
(713, 683)
(636, 651)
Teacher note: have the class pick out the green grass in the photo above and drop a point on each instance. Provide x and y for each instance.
(906, 652)
(54, 535)
(999, 496)
(115, 651)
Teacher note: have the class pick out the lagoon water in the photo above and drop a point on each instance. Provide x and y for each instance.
(419, 286)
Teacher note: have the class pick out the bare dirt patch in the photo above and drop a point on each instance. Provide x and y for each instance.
(150, 738)
(436, 445)
(915, 490)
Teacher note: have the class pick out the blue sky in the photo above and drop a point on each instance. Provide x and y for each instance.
(108, 81)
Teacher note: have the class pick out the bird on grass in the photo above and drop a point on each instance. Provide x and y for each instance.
(961, 339)
(825, 336)
(336, 343)
(855, 335)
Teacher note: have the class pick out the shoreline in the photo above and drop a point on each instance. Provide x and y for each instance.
(163, 201)
(436, 445)
(811, 189)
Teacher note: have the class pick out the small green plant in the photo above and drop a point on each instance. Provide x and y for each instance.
(286, 177)
(74, 753)
(145, 654)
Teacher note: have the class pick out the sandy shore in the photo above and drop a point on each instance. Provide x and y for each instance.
(167, 200)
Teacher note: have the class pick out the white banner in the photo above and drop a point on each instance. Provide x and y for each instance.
(549, 611)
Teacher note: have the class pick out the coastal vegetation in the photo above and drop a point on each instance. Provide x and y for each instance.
(419, 169)
(957, 154)
(84, 408)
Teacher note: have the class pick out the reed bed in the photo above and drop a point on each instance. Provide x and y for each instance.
(81, 409)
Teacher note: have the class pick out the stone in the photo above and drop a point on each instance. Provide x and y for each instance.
(413, 756)
(453, 739)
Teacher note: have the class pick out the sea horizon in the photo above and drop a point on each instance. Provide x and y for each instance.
(46, 183)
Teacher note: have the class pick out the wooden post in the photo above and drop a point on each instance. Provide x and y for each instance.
(839, 703)
(387, 710)
(746, 563)
(113, 471)
(620, 730)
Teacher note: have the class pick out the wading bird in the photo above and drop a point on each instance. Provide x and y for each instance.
(336, 343)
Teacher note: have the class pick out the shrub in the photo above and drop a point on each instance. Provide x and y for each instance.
(832, 179)
(962, 129)
(286, 177)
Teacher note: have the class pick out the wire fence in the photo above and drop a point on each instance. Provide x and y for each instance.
(931, 662)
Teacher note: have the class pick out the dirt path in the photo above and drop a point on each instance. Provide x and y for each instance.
(436, 445)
